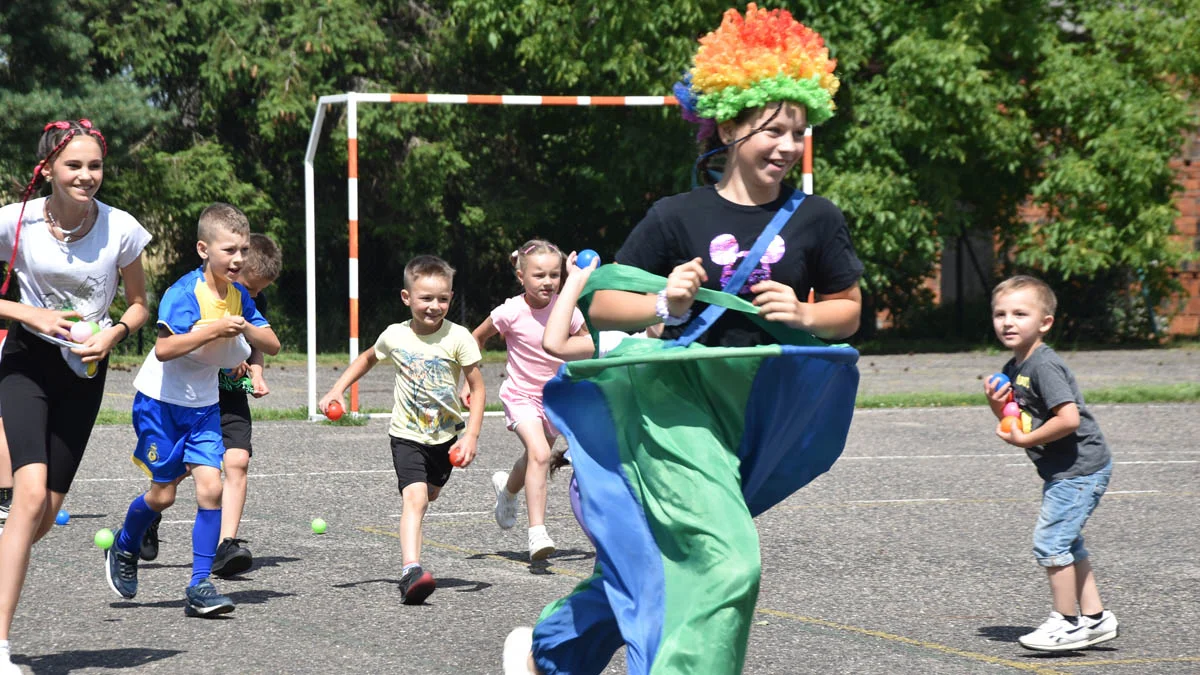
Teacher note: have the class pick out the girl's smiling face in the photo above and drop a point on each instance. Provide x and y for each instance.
(77, 170)
(764, 159)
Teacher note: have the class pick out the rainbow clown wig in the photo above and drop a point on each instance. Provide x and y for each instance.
(750, 61)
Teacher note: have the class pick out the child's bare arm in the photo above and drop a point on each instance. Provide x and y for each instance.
(557, 340)
(469, 440)
(359, 367)
(170, 345)
(835, 316)
(263, 338)
(484, 332)
(257, 377)
(1063, 422)
(997, 397)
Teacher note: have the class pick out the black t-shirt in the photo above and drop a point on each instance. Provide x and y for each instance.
(812, 251)
(260, 302)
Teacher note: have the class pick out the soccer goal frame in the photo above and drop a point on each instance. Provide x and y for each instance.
(352, 100)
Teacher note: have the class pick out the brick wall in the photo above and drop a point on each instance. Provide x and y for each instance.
(1187, 226)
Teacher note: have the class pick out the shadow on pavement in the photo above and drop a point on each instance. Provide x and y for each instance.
(66, 662)
(463, 585)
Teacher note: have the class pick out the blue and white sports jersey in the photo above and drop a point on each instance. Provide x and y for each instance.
(192, 380)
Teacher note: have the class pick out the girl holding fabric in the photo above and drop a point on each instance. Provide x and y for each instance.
(682, 603)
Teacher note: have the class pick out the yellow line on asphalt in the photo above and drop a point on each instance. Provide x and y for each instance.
(924, 644)
(1033, 668)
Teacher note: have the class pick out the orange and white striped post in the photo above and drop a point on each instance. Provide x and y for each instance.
(352, 100)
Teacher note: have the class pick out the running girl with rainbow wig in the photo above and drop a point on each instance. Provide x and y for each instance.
(677, 449)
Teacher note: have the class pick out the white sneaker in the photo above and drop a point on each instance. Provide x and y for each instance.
(1059, 635)
(517, 647)
(540, 543)
(7, 667)
(506, 504)
(1100, 630)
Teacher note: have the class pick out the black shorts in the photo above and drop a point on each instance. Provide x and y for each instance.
(49, 411)
(419, 463)
(235, 420)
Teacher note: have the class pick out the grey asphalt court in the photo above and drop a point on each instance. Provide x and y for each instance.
(911, 556)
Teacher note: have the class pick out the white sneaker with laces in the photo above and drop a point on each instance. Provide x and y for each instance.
(1102, 629)
(517, 648)
(1059, 635)
(506, 504)
(540, 543)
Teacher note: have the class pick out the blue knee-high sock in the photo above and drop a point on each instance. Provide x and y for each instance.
(137, 521)
(204, 543)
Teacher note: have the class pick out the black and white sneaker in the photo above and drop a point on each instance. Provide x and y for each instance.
(149, 549)
(415, 585)
(232, 558)
(205, 600)
(121, 570)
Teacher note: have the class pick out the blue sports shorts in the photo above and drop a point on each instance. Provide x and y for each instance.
(170, 437)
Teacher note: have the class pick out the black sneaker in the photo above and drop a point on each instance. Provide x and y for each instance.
(232, 558)
(203, 599)
(150, 540)
(121, 569)
(415, 585)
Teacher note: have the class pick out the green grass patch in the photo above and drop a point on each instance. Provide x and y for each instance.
(1165, 393)
(119, 417)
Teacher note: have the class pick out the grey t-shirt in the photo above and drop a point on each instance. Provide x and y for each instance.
(1040, 384)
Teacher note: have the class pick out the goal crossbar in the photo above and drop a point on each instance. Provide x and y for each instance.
(351, 100)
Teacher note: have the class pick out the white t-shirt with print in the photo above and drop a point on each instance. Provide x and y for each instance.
(81, 275)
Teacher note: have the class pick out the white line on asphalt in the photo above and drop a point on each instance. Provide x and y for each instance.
(448, 513)
(897, 501)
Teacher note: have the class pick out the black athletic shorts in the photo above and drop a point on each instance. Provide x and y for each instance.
(49, 411)
(235, 420)
(419, 463)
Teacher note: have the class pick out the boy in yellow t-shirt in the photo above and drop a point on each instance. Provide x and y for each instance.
(427, 424)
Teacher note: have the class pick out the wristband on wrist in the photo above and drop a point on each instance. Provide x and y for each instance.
(127, 331)
(664, 312)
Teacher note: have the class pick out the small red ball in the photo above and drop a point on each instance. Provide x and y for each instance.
(334, 410)
(456, 456)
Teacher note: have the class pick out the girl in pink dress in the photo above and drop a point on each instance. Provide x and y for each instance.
(521, 321)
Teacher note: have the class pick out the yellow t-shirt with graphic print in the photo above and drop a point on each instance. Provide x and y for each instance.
(427, 409)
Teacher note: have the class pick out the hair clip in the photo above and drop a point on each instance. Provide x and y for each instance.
(85, 123)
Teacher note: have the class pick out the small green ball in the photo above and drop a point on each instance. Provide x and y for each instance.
(318, 526)
(104, 538)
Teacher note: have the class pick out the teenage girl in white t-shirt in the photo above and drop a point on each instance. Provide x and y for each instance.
(68, 253)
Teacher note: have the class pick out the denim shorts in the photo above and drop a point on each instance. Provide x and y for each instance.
(1066, 506)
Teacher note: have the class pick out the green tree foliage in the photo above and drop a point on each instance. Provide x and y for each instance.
(951, 115)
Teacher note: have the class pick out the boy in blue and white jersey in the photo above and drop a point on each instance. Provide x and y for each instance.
(206, 322)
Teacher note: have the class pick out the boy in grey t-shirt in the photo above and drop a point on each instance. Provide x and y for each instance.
(1062, 438)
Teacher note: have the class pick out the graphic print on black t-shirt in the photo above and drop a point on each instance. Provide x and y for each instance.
(813, 251)
(723, 250)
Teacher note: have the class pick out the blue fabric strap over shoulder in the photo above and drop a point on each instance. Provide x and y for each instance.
(709, 316)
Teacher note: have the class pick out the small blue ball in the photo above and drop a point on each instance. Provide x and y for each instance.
(585, 258)
(998, 381)
(62, 518)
